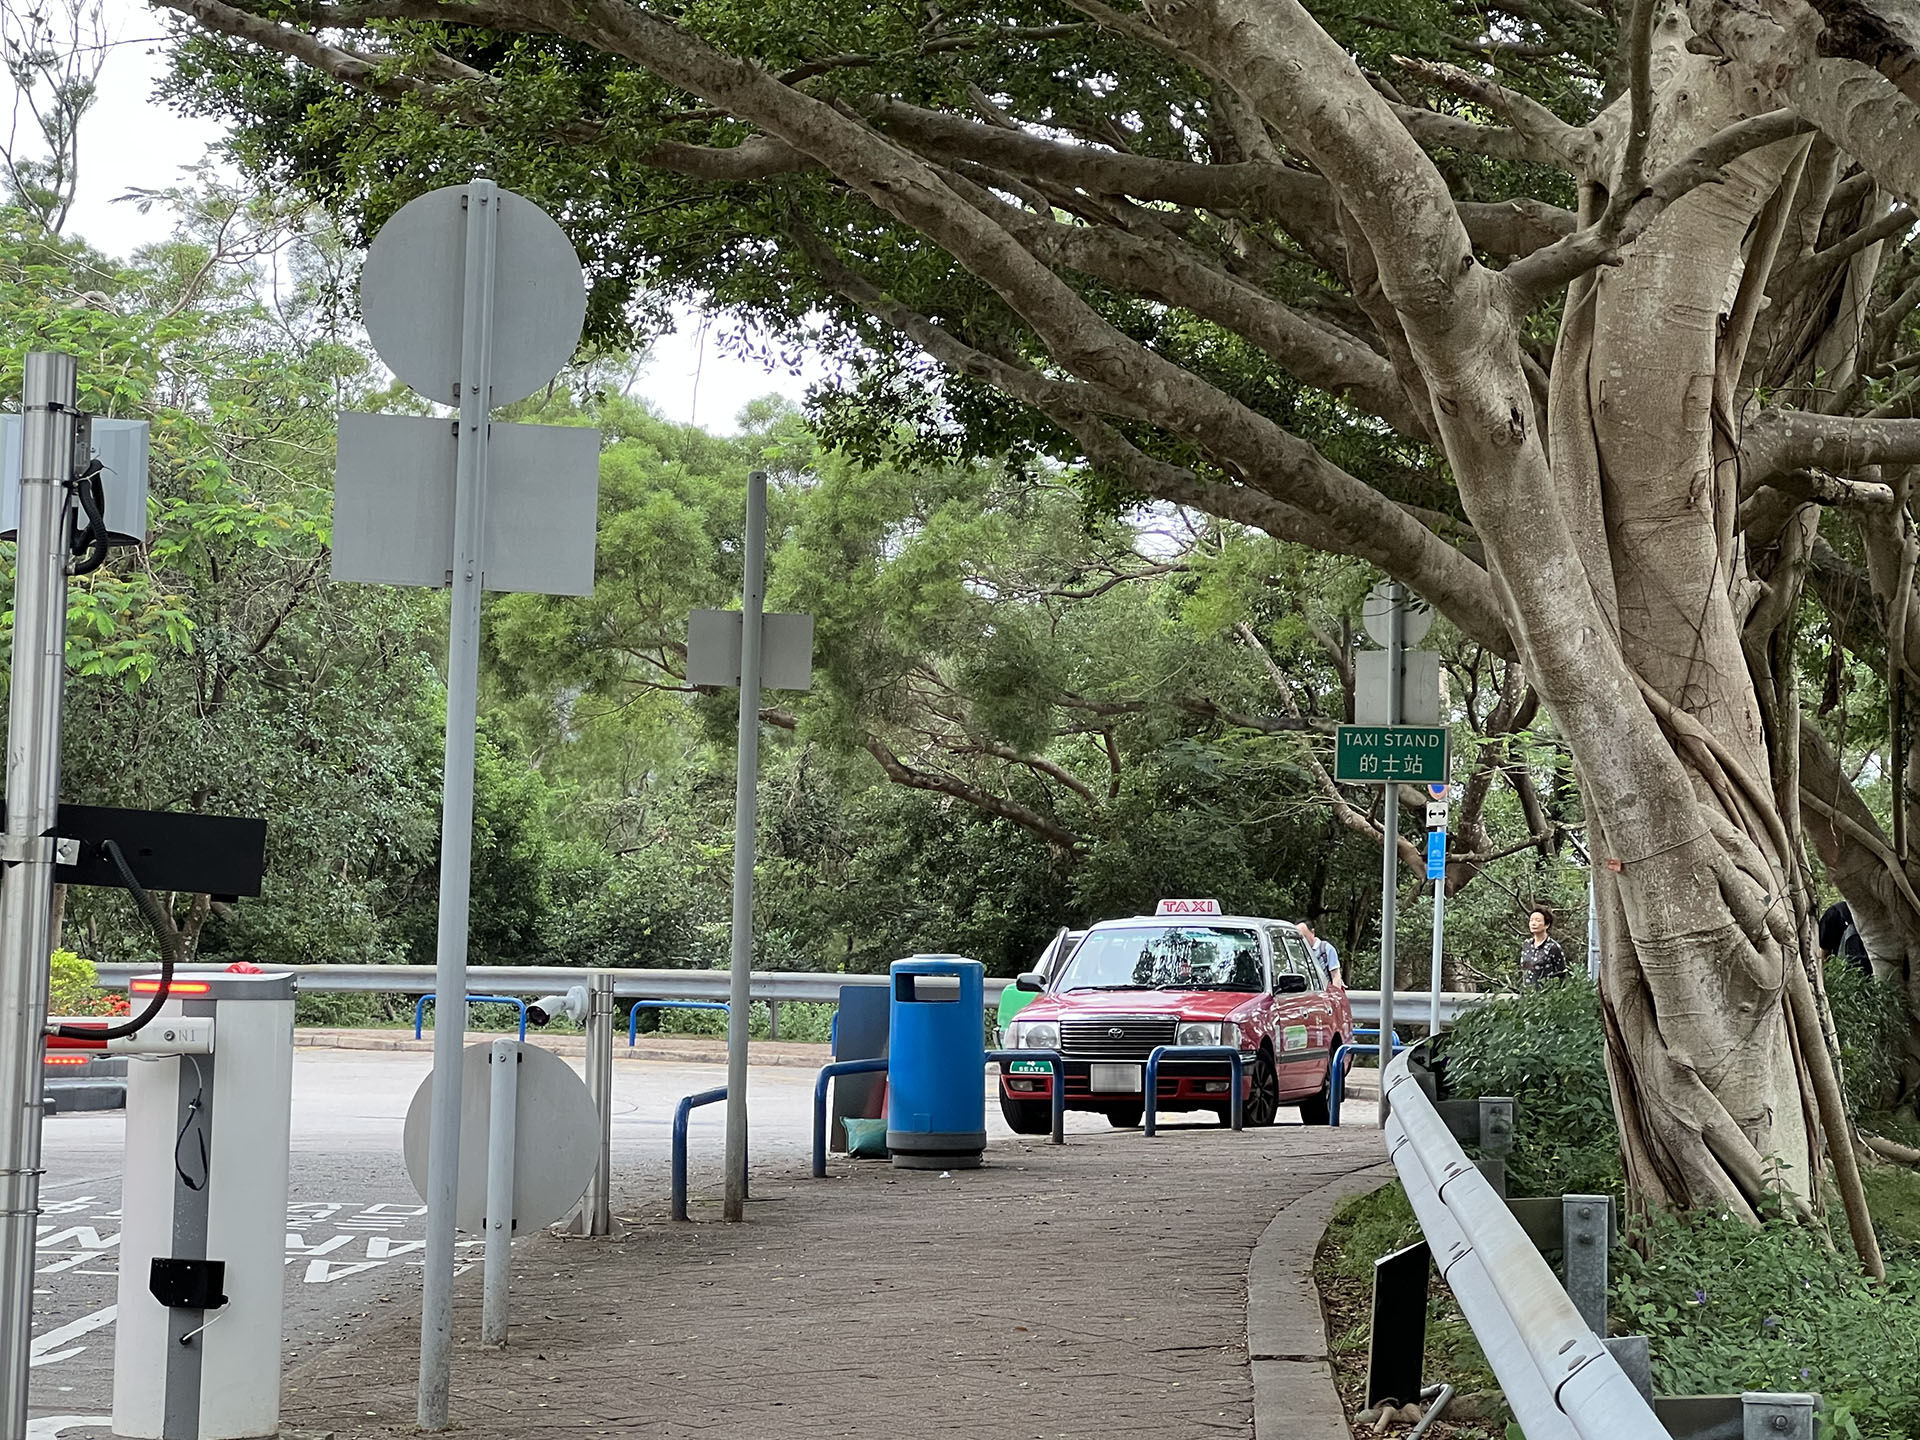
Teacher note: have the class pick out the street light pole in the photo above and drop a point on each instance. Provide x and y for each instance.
(745, 816)
(50, 399)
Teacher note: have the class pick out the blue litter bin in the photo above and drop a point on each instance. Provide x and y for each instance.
(936, 1100)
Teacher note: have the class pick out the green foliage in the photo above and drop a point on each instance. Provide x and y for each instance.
(1545, 1049)
(634, 910)
(1727, 1308)
(800, 1022)
(1872, 1020)
(73, 988)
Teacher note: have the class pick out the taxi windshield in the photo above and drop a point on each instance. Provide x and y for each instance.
(1166, 957)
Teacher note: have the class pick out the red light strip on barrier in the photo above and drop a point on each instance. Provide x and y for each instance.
(179, 987)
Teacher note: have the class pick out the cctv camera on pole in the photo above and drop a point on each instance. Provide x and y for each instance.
(572, 1006)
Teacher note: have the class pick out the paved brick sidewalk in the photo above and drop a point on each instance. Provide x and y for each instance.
(1097, 1290)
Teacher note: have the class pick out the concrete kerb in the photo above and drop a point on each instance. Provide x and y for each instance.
(1293, 1391)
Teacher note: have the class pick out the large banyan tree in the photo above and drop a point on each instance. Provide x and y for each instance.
(1589, 320)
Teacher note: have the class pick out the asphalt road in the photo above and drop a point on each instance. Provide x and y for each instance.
(355, 1227)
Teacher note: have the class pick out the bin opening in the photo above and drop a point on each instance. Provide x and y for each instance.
(911, 988)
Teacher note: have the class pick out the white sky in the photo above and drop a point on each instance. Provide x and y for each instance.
(130, 140)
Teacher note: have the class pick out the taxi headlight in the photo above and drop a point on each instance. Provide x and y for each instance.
(1208, 1032)
(1033, 1035)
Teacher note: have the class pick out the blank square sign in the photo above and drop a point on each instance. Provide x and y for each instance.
(786, 650)
(393, 504)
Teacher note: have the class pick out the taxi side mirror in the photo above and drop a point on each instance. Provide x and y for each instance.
(1032, 981)
(1291, 984)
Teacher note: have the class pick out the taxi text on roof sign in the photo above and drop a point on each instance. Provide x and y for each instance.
(1383, 753)
(1188, 907)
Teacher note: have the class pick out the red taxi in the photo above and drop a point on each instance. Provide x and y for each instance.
(1186, 975)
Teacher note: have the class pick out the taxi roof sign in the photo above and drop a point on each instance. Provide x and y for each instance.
(1188, 907)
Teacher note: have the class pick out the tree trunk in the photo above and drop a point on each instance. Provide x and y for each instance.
(1700, 925)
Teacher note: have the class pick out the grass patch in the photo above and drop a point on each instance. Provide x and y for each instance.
(1363, 1229)
(1893, 1199)
(1727, 1307)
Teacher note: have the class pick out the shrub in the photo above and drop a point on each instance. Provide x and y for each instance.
(73, 988)
(1545, 1048)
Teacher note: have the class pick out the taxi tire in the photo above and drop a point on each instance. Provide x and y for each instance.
(1027, 1117)
(1253, 1113)
(1318, 1109)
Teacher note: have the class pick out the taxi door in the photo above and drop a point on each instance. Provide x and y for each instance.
(1304, 1022)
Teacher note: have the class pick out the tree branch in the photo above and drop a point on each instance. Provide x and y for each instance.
(1552, 140)
(1627, 216)
(1779, 442)
(1027, 819)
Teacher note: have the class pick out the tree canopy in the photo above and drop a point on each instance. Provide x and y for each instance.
(1592, 323)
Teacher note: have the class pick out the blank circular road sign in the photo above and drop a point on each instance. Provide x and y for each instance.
(554, 1138)
(1375, 612)
(412, 294)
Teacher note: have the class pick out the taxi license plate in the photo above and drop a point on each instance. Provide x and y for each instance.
(1115, 1079)
(1029, 1067)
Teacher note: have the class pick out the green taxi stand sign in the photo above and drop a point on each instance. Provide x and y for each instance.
(1382, 754)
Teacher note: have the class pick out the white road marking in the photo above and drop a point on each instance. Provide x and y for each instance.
(42, 1350)
(319, 1272)
(50, 1427)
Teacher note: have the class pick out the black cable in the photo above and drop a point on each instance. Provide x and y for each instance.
(91, 542)
(193, 1110)
(162, 926)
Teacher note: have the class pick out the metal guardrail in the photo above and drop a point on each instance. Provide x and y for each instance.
(775, 985)
(1150, 1085)
(633, 1016)
(420, 1009)
(681, 1113)
(1559, 1378)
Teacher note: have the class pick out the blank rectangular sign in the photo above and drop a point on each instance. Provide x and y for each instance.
(786, 650)
(393, 504)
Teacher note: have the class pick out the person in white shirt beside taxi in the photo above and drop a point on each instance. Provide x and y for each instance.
(1323, 951)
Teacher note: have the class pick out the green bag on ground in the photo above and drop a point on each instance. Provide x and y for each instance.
(866, 1139)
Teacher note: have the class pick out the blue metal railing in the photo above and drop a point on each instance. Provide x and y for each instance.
(681, 1113)
(828, 1072)
(1337, 1081)
(1151, 1087)
(420, 1009)
(633, 1018)
(1056, 1062)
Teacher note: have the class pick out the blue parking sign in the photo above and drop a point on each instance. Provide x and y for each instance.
(1436, 855)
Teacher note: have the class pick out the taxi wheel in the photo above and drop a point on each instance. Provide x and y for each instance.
(1027, 1117)
(1262, 1107)
(1318, 1110)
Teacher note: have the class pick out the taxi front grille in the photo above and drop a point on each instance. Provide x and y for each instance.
(1115, 1037)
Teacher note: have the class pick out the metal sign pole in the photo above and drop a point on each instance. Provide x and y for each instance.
(49, 399)
(456, 816)
(504, 1078)
(1593, 926)
(1390, 823)
(746, 800)
(1439, 920)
